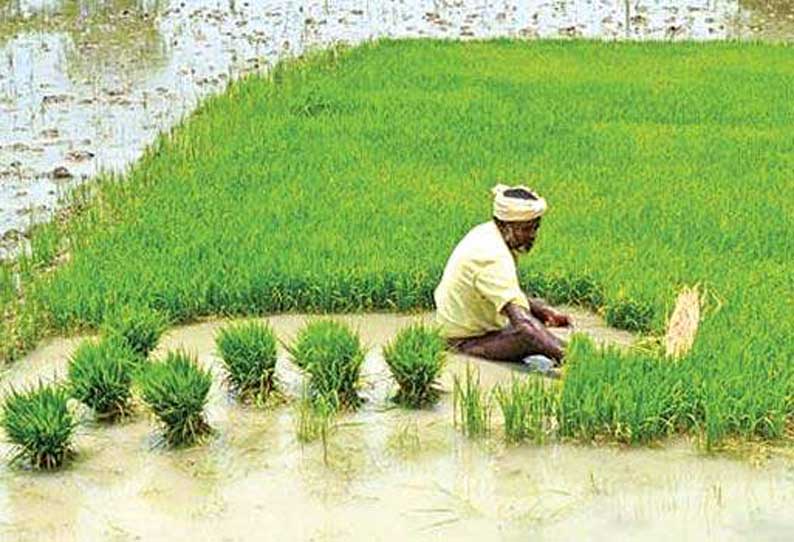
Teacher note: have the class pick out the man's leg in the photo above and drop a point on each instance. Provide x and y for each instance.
(508, 344)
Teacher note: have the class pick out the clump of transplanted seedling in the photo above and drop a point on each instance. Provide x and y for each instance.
(176, 389)
(332, 355)
(139, 327)
(249, 355)
(416, 358)
(529, 407)
(100, 375)
(39, 425)
(472, 404)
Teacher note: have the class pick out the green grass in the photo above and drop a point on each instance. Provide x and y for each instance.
(100, 375)
(248, 352)
(39, 425)
(332, 355)
(472, 405)
(176, 390)
(416, 357)
(342, 183)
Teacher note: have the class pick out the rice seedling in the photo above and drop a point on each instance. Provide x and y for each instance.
(416, 358)
(332, 355)
(100, 375)
(314, 418)
(248, 352)
(529, 408)
(39, 425)
(472, 405)
(630, 397)
(176, 390)
(139, 327)
(638, 196)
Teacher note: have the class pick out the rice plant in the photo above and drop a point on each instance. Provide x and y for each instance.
(529, 408)
(416, 357)
(630, 397)
(248, 352)
(139, 327)
(176, 390)
(100, 375)
(472, 405)
(39, 425)
(332, 355)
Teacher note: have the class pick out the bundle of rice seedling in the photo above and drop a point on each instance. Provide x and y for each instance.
(39, 425)
(100, 375)
(176, 389)
(416, 358)
(331, 353)
(249, 354)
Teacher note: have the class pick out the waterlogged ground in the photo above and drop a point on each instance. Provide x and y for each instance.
(87, 85)
(389, 475)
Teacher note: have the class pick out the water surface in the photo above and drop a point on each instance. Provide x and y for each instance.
(390, 474)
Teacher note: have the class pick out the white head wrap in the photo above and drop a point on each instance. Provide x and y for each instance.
(510, 209)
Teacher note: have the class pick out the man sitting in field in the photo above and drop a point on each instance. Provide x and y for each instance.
(481, 308)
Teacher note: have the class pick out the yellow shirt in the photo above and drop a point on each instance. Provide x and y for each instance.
(479, 280)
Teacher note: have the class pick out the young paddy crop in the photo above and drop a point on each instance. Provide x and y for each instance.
(39, 425)
(176, 389)
(248, 352)
(331, 355)
(416, 358)
(342, 183)
(100, 375)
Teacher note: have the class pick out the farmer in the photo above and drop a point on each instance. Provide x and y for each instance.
(480, 306)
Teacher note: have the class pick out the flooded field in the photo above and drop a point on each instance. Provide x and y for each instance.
(390, 474)
(87, 85)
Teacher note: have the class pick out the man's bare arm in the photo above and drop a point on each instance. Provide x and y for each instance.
(535, 332)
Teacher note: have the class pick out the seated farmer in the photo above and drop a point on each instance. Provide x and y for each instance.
(480, 306)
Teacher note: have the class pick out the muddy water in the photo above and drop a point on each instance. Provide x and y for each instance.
(391, 474)
(86, 85)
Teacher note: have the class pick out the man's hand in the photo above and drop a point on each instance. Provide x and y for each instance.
(550, 317)
(553, 318)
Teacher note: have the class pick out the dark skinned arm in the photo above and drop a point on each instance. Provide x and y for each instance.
(536, 333)
(546, 314)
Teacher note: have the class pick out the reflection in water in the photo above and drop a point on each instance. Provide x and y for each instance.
(87, 84)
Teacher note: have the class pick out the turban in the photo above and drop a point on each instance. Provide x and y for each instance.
(513, 209)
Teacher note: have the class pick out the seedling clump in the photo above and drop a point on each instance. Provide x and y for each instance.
(472, 405)
(176, 389)
(331, 353)
(249, 354)
(416, 358)
(140, 328)
(39, 425)
(100, 375)
(529, 407)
